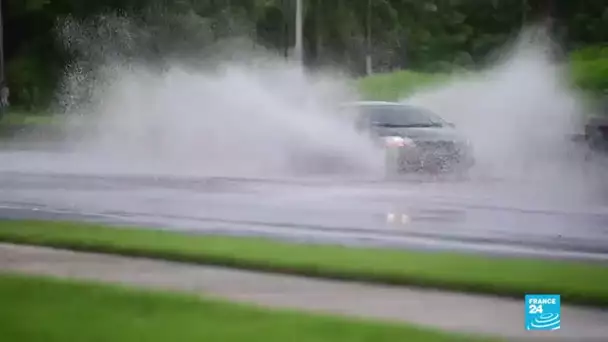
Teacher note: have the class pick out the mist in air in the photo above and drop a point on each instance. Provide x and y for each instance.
(521, 114)
(231, 108)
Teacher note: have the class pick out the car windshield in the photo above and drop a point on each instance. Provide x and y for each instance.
(399, 116)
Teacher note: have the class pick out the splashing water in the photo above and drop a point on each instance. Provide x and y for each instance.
(234, 109)
(519, 114)
(253, 115)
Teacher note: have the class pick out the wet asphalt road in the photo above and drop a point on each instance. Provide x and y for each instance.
(482, 215)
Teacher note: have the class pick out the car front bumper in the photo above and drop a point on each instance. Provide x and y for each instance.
(428, 158)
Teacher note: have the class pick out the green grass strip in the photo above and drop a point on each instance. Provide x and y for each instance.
(52, 310)
(577, 282)
(27, 118)
(396, 85)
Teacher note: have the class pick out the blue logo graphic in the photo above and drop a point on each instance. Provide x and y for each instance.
(543, 312)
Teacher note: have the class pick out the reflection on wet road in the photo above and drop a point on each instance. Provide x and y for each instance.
(486, 216)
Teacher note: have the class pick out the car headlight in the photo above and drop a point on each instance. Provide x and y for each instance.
(396, 141)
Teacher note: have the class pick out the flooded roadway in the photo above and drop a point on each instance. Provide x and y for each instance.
(482, 215)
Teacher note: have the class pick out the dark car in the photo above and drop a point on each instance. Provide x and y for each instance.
(415, 139)
(594, 132)
(596, 127)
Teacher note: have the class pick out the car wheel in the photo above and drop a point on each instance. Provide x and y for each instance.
(391, 163)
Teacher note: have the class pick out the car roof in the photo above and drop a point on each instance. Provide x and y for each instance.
(372, 103)
(377, 104)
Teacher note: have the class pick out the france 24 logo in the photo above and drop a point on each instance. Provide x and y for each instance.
(543, 312)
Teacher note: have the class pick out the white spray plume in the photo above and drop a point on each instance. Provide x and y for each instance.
(255, 114)
(520, 113)
(241, 110)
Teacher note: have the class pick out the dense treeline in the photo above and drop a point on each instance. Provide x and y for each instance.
(424, 35)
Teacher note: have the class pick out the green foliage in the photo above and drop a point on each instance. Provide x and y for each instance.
(591, 75)
(588, 71)
(428, 35)
(393, 86)
(23, 6)
(29, 76)
(590, 53)
(589, 68)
